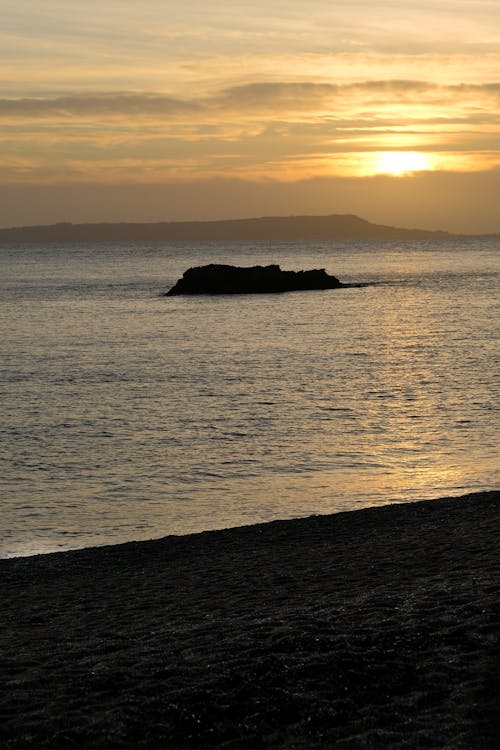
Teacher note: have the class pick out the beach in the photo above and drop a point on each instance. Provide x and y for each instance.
(369, 629)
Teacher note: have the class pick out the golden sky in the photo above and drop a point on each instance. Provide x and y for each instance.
(197, 109)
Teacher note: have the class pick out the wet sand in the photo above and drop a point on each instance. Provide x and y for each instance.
(371, 629)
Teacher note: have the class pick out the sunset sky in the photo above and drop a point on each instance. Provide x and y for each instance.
(162, 110)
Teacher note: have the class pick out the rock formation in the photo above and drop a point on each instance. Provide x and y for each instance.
(225, 279)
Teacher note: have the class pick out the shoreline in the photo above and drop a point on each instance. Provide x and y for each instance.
(372, 628)
(225, 529)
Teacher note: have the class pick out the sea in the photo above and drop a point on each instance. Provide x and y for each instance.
(128, 415)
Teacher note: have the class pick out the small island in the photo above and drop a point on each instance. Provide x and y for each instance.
(225, 279)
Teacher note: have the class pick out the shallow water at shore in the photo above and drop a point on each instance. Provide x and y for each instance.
(126, 415)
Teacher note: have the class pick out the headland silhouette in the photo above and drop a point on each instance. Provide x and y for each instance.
(277, 228)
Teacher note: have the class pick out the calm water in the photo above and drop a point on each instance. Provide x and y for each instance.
(125, 415)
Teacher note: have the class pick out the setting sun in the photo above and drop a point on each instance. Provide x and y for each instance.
(402, 162)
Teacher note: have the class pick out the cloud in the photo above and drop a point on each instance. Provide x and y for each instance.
(287, 129)
(96, 105)
(270, 96)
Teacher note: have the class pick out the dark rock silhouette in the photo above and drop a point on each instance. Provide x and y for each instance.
(225, 279)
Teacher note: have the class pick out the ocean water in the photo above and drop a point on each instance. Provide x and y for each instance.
(127, 415)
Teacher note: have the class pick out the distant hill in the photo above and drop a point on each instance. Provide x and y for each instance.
(333, 227)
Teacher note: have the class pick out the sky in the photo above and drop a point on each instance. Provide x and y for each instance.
(115, 110)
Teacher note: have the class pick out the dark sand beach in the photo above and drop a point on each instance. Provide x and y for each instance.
(371, 629)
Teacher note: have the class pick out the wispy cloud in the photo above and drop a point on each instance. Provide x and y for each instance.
(274, 96)
(263, 129)
(102, 104)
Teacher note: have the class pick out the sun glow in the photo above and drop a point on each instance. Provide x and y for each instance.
(402, 162)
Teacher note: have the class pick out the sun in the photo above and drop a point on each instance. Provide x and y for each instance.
(401, 162)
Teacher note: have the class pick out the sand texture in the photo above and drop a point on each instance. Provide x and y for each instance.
(372, 629)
